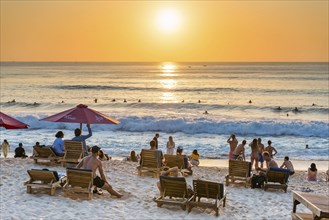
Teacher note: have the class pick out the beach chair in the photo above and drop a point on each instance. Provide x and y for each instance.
(42, 180)
(276, 179)
(151, 163)
(210, 190)
(73, 153)
(238, 170)
(174, 161)
(79, 183)
(175, 192)
(45, 154)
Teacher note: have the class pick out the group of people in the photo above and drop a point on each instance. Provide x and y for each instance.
(19, 151)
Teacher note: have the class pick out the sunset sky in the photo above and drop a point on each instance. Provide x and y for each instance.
(164, 31)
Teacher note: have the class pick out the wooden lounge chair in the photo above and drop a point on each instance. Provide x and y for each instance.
(209, 190)
(174, 161)
(238, 170)
(43, 180)
(73, 153)
(276, 179)
(151, 163)
(79, 183)
(45, 154)
(175, 192)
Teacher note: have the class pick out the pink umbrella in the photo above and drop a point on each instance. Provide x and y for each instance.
(10, 123)
(83, 115)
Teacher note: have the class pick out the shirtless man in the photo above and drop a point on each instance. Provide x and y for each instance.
(239, 150)
(261, 148)
(270, 149)
(269, 161)
(254, 153)
(233, 143)
(93, 163)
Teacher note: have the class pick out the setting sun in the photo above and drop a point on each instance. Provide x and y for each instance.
(168, 20)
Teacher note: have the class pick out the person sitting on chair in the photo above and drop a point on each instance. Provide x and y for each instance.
(93, 163)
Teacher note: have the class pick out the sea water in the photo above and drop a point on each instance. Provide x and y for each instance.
(171, 99)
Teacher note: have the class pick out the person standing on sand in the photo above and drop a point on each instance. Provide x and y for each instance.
(261, 148)
(233, 142)
(156, 140)
(5, 148)
(93, 163)
(82, 138)
(270, 149)
(170, 146)
(254, 153)
(239, 150)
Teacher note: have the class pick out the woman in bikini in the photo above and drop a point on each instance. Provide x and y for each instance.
(254, 153)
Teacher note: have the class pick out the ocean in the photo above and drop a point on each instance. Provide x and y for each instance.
(171, 99)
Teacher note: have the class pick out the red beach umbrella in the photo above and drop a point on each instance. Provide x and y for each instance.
(10, 123)
(83, 115)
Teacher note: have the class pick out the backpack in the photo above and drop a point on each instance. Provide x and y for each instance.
(257, 181)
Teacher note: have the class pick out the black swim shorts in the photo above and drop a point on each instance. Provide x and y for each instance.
(98, 182)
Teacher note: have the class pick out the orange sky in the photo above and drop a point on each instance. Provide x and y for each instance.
(128, 31)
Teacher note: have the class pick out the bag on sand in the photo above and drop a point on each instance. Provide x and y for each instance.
(257, 181)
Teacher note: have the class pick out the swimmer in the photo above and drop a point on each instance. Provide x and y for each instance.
(296, 109)
(250, 101)
(95, 100)
(183, 101)
(113, 100)
(306, 147)
(313, 104)
(124, 100)
(278, 108)
(35, 103)
(206, 113)
(139, 100)
(287, 115)
(199, 101)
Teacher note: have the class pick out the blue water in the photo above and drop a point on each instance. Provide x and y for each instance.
(169, 104)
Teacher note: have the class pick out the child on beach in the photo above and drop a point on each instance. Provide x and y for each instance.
(312, 173)
(170, 146)
(194, 158)
(288, 165)
(5, 148)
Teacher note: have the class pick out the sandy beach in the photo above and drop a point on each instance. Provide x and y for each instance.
(137, 202)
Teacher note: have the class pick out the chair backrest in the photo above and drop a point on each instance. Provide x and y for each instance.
(174, 161)
(208, 189)
(44, 176)
(239, 168)
(174, 186)
(276, 176)
(73, 150)
(151, 158)
(44, 152)
(79, 177)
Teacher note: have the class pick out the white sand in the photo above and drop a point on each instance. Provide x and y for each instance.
(242, 203)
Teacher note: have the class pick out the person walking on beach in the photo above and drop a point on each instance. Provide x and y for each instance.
(254, 153)
(82, 138)
(156, 140)
(5, 148)
(239, 150)
(261, 148)
(233, 142)
(170, 146)
(58, 144)
(271, 149)
(93, 163)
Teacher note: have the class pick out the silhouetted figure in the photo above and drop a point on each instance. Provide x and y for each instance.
(62, 101)
(306, 147)
(35, 103)
(139, 100)
(313, 104)
(199, 101)
(113, 100)
(278, 108)
(296, 109)
(205, 112)
(95, 100)
(12, 101)
(124, 100)
(250, 101)
(287, 115)
(183, 101)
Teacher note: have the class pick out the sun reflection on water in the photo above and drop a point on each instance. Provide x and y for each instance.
(168, 83)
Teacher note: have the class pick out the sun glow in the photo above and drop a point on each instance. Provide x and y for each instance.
(168, 20)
